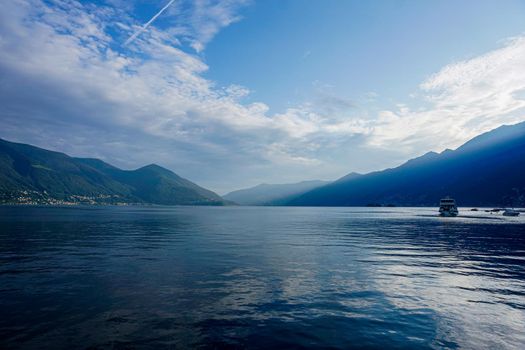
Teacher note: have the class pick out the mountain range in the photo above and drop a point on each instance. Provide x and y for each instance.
(488, 170)
(34, 175)
(272, 194)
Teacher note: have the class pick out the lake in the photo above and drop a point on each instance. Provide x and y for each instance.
(260, 277)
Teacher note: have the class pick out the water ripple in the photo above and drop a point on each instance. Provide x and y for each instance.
(241, 277)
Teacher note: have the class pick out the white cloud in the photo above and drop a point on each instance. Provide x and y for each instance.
(63, 74)
(200, 20)
(148, 23)
(464, 99)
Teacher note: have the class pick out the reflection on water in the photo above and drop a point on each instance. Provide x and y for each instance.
(260, 278)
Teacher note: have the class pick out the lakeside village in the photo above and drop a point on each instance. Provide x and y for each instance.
(29, 197)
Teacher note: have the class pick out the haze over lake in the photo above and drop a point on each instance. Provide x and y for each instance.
(260, 277)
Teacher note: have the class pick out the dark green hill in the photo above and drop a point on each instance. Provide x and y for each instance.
(155, 184)
(30, 174)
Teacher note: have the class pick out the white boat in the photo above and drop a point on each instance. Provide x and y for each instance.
(447, 207)
(511, 212)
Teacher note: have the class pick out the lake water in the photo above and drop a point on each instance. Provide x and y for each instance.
(246, 277)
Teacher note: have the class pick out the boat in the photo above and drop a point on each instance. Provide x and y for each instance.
(511, 212)
(447, 207)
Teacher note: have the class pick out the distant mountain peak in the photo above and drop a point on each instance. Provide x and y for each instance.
(272, 194)
(502, 134)
(421, 160)
(348, 177)
(156, 169)
(488, 170)
(152, 166)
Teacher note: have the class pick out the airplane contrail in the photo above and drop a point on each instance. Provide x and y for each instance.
(145, 26)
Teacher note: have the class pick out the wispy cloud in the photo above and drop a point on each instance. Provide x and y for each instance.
(462, 100)
(61, 73)
(147, 24)
(196, 22)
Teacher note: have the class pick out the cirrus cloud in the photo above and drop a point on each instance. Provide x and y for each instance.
(67, 83)
(463, 99)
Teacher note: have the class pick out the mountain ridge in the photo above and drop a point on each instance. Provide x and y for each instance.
(29, 174)
(272, 194)
(486, 170)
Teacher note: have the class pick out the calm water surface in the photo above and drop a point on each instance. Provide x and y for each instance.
(241, 277)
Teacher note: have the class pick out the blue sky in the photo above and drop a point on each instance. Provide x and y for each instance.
(283, 50)
(234, 93)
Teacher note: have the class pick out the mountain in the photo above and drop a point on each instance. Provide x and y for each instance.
(488, 170)
(276, 194)
(348, 177)
(30, 174)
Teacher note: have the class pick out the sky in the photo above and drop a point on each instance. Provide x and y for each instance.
(233, 93)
